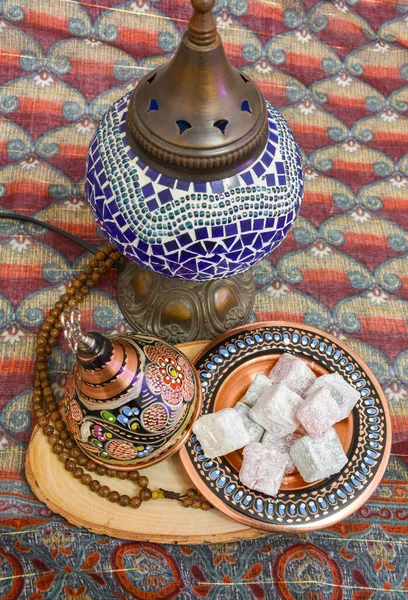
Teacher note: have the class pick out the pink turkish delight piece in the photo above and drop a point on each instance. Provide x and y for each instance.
(282, 445)
(318, 412)
(293, 372)
(262, 468)
(343, 393)
(276, 410)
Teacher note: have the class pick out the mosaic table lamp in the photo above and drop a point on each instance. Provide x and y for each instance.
(194, 177)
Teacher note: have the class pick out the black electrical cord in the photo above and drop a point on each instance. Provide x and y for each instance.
(90, 247)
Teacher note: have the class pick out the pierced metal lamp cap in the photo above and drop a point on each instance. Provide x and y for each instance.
(197, 116)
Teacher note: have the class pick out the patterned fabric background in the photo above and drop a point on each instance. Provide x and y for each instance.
(338, 72)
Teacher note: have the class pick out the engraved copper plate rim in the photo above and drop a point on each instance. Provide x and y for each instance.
(365, 435)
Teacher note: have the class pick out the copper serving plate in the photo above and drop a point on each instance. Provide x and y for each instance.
(226, 368)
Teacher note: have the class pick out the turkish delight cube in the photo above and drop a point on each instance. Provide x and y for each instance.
(276, 410)
(255, 431)
(282, 445)
(318, 458)
(262, 468)
(318, 412)
(293, 372)
(221, 432)
(256, 388)
(343, 393)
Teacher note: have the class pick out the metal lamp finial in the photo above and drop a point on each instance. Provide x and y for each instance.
(71, 325)
(202, 28)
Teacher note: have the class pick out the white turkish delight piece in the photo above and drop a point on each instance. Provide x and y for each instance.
(256, 388)
(343, 393)
(262, 468)
(318, 458)
(318, 412)
(276, 410)
(221, 432)
(255, 431)
(293, 372)
(282, 445)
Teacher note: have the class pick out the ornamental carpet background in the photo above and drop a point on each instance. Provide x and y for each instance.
(338, 73)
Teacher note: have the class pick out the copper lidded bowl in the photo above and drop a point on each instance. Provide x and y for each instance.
(130, 401)
(226, 368)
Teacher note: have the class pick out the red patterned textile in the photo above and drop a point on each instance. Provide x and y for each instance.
(338, 72)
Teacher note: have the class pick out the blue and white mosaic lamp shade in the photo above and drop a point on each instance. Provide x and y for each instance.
(198, 231)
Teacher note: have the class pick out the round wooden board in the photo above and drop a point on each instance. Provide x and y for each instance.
(162, 521)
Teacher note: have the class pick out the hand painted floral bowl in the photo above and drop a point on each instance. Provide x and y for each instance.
(130, 401)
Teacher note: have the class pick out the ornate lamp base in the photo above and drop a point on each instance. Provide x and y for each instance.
(179, 310)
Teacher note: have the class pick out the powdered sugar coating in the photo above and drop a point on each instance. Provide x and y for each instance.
(343, 393)
(255, 431)
(262, 468)
(276, 410)
(318, 412)
(318, 458)
(293, 372)
(221, 432)
(256, 388)
(282, 445)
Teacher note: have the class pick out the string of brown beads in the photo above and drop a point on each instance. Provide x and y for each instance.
(46, 409)
(191, 498)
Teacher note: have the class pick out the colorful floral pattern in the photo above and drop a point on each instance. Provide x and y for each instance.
(73, 415)
(121, 450)
(155, 417)
(147, 571)
(338, 73)
(169, 375)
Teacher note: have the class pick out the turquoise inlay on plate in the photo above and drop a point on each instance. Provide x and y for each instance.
(270, 508)
(348, 487)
